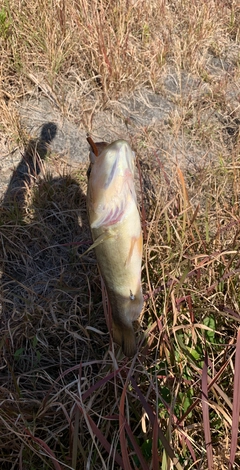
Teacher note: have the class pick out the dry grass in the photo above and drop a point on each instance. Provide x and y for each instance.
(69, 399)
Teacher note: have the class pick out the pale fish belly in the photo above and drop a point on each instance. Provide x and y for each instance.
(119, 258)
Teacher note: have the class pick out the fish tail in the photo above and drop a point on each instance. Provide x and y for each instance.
(125, 337)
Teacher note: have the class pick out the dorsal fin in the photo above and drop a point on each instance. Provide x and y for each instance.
(93, 145)
(96, 147)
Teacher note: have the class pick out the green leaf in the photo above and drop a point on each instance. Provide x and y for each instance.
(34, 343)
(18, 353)
(147, 449)
(210, 322)
(4, 23)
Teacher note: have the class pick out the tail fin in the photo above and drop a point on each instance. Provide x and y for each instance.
(125, 337)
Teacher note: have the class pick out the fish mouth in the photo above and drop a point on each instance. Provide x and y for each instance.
(119, 160)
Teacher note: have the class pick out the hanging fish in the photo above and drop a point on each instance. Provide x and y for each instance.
(116, 229)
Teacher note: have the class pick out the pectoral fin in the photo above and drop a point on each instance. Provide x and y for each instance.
(108, 214)
(111, 204)
(102, 238)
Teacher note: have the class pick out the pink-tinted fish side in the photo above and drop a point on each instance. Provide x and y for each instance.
(114, 219)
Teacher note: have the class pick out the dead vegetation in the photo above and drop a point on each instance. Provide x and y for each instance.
(69, 399)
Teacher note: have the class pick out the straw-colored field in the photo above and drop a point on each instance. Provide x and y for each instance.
(164, 75)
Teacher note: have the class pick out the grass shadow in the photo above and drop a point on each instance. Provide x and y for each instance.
(51, 314)
(46, 291)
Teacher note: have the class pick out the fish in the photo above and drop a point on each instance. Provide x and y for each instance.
(117, 234)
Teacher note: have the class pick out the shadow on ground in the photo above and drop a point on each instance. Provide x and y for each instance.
(47, 291)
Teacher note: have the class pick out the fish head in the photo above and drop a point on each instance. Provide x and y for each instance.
(111, 183)
(115, 160)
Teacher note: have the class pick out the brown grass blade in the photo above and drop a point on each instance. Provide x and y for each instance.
(63, 374)
(143, 211)
(185, 199)
(75, 439)
(46, 448)
(211, 384)
(102, 439)
(205, 409)
(100, 383)
(136, 447)
(236, 404)
(122, 424)
(155, 461)
(151, 416)
(188, 443)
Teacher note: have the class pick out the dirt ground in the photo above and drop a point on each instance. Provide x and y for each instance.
(145, 118)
